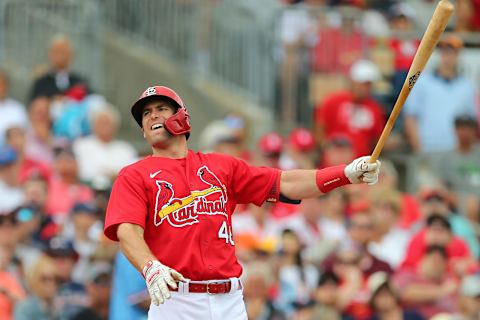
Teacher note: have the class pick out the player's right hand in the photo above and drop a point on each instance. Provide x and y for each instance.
(158, 277)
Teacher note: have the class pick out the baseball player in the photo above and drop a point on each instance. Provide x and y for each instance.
(171, 211)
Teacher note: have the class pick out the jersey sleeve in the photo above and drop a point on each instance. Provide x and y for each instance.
(255, 185)
(127, 203)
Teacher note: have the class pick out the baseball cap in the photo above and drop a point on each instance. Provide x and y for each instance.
(466, 120)
(402, 9)
(470, 286)
(58, 247)
(7, 155)
(364, 71)
(271, 143)
(302, 140)
(451, 40)
(339, 140)
(84, 207)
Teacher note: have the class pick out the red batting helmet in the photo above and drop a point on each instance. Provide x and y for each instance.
(178, 123)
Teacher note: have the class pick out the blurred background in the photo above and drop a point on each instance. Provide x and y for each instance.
(289, 84)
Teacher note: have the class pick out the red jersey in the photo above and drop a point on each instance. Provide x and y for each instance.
(185, 207)
(404, 52)
(363, 122)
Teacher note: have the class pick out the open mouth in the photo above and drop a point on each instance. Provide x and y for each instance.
(156, 126)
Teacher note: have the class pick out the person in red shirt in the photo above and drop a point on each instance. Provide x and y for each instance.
(402, 43)
(353, 112)
(171, 211)
(437, 231)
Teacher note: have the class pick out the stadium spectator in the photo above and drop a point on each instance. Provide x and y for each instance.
(353, 112)
(438, 231)
(13, 112)
(258, 279)
(65, 189)
(15, 137)
(428, 288)
(297, 279)
(339, 47)
(410, 212)
(469, 298)
(436, 201)
(327, 297)
(83, 230)
(270, 147)
(219, 137)
(385, 302)
(389, 240)
(402, 43)
(71, 296)
(59, 78)
(39, 135)
(446, 89)
(11, 194)
(11, 289)
(338, 148)
(299, 150)
(42, 285)
(101, 155)
(459, 168)
(98, 289)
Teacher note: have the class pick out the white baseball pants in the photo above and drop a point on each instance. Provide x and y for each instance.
(183, 305)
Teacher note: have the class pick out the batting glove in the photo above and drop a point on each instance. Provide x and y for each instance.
(360, 170)
(158, 277)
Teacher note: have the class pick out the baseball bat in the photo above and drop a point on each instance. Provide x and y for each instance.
(435, 28)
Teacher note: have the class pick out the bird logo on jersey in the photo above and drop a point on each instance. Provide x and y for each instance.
(180, 212)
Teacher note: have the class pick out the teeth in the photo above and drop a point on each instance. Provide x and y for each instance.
(156, 126)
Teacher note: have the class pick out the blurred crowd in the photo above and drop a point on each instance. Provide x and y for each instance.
(358, 252)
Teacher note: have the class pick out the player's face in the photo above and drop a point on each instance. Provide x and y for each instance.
(153, 117)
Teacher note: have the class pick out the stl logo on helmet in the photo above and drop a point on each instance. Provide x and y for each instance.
(150, 91)
(181, 212)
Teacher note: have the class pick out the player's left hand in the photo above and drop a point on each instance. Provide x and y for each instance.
(361, 170)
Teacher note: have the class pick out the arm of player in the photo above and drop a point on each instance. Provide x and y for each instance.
(157, 276)
(301, 184)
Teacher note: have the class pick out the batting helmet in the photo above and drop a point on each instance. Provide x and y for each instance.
(178, 123)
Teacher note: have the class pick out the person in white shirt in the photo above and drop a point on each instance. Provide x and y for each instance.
(100, 155)
(13, 112)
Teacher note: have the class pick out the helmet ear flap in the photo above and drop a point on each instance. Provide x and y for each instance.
(179, 123)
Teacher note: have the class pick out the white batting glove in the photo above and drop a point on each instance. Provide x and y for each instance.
(158, 277)
(360, 170)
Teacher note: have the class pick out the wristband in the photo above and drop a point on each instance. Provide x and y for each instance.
(330, 178)
(146, 267)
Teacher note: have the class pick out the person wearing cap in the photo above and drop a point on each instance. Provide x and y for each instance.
(437, 99)
(11, 194)
(13, 112)
(338, 147)
(353, 112)
(270, 145)
(402, 43)
(299, 150)
(469, 298)
(460, 167)
(71, 296)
